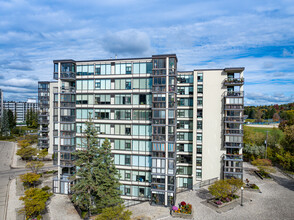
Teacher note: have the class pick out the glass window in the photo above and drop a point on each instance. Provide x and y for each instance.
(200, 77)
(200, 89)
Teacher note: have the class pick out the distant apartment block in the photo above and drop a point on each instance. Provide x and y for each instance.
(168, 129)
(20, 108)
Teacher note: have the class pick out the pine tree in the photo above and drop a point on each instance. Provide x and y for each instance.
(5, 123)
(97, 184)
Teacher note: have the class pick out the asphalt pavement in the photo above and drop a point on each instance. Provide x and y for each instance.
(6, 151)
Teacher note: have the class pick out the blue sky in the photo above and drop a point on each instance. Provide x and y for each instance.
(258, 35)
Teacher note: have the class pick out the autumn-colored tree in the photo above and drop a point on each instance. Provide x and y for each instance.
(30, 179)
(26, 153)
(220, 189)
(35, 166)
(276, 117)
(42, 154)
(115, 213)
(235, 184)
(34, 202)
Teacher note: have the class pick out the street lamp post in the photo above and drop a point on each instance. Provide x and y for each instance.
(242, 188)
(266, 145)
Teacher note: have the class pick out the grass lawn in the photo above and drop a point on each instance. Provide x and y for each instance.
(262, 130)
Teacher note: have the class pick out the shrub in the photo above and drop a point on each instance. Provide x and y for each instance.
(30, 179)
(261, 162)
(115, 212)
(254, 186)
(34, 202)
(26, 153)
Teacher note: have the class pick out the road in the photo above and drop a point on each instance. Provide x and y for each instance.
(6, 173)
(6, 151)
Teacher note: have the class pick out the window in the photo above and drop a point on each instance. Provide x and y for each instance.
(185, 147)
(185, 101)
(199, 138)
(185, 113)
(56, 67)
(141, 114)
(199, 113)
(199, 161)
(143, 146)
(185, 79)
(142, 83)
(122, 99)
(102, 113)
(123, 84)
(200, 89)
(185, 136)
(142, 130)
(122, 144)
(128, 69)
(142, 99)
(199, 125)
(200, 77)
(199, 101)
(102, 99)
(184, 170)
(124, 114)
(199, 149)
(198, 173)
(102, 84)
(122, 129)
(188, 90)
(185, 125)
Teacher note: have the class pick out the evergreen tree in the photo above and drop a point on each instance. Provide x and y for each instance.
(11, 120)
(97, 184)
(5, 123)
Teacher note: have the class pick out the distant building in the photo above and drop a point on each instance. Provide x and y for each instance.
(20, 108)
(168, 129)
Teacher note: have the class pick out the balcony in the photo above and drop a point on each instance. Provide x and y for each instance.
(238, 132)
(68, 76)
(43, 145)
(67, 118)
(44, 138)
(234, 94)
(234, 119)
(43, 121)
(233, 157)
(234, 107)
(234, 145)
(234, 81)
(69, 90)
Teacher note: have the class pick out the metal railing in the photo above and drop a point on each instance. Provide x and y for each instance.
(204, 183)
(234, 81)
(234, 94)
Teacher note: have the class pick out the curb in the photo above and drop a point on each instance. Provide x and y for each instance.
(6, 199)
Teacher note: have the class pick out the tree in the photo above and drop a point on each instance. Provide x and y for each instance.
(34, 202)
(115, 213)
(35, 166)
(259, 115)
(11, 120)
(288, 140)
(42, 153)
(220, 189)
(26, 153)
(276, 117)
(5, 123)
(97, 185)
(235, 184)
(30, 179)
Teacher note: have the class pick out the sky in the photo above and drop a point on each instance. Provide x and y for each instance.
(257, 35)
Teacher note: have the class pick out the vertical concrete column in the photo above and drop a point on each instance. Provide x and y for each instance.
(166, 130)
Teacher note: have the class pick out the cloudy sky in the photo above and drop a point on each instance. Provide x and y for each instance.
(258, 35)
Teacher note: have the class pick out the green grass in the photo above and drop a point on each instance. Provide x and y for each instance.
(262, 130)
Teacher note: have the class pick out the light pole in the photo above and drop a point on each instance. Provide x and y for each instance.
(242, 188)
(266, 145)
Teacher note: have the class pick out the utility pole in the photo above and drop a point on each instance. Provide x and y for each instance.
(266, 145)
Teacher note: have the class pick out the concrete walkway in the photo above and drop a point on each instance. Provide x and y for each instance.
(275, 202)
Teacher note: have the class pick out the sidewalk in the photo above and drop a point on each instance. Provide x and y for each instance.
(14, 204)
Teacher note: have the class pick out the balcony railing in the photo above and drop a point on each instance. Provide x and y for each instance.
(234, 94)
(234, 107)
(233, 157)
(67, 75)
(234, 119)
(67, 118)
(234, 81)
(233, 145)
(68, 89)
(43, 121)
(234, 132)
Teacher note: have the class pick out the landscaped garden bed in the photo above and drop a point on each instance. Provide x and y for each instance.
(183, 211)
(219, 203)
(224, 192)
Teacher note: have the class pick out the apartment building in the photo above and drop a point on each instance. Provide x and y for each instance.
(168, 129)
(1, 102)
(20, 108)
